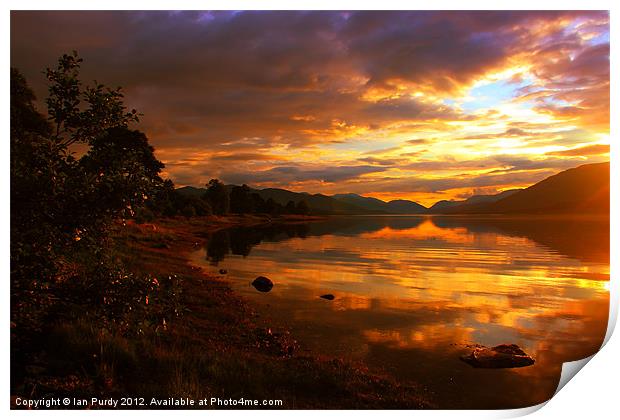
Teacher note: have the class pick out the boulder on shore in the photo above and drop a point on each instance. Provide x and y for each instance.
(498, 357)
(262, 284)
(328, 296)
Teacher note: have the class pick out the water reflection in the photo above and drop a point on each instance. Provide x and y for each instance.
(411, 292)
(241, 240)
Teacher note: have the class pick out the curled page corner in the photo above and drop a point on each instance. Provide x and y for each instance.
(570, 369)
(613, 311)
(520, 412)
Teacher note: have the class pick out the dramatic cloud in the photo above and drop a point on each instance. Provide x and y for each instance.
(285, 175)
(358, 100)
(594, 149)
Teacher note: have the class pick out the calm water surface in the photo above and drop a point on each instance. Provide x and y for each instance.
(413, 291)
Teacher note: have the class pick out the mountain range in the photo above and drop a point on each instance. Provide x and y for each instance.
(448, 206)
(584, 189)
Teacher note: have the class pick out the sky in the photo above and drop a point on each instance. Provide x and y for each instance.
(418, 105)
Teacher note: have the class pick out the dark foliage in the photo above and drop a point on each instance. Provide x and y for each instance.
(302, 207)
(168, 202)
(241, 200)
(63, 207)
(217, 197)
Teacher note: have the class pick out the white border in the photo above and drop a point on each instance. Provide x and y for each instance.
(593, 394)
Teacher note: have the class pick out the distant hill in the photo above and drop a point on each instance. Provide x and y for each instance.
(405, 207)
(444, 205)
(374, 205)
(371, 204)
(191, 191)
(472, 203)
(584, 189)
(318, 203)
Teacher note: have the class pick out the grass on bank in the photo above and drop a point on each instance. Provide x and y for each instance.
(218, 346)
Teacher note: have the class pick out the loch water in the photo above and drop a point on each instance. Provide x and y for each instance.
(413, 293)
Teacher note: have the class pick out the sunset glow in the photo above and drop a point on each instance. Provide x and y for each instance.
(424, 106)
(414, 290)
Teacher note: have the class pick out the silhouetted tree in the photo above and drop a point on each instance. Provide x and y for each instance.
(302, 207)
(165, 200)
(36, 165)
(241, 200)
(201, 206)
(272, 207)
(123, 173)
(290, 207)
(60, 202)
(25, 119)
(217, 197)
(81, 115)
(258, 203)
(62, 207)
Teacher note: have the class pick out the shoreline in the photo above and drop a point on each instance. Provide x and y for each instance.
(218, 347)
(222, 344)
(223, 321)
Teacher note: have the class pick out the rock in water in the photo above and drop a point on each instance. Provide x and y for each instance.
(498, 357)
(262, 284)
(328, 296)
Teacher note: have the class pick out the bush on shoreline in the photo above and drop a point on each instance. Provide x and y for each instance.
(63, 208)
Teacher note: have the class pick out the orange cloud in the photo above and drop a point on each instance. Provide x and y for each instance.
(365, 102)
(594, 149)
